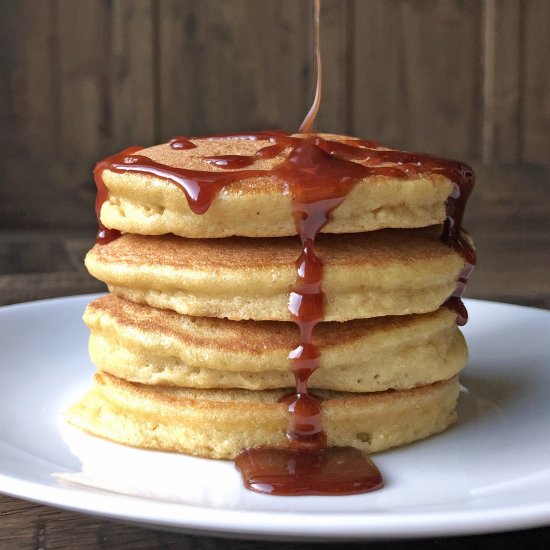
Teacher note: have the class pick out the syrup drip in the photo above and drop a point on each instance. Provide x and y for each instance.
(230, 162)
(104, 234)
(308, 473)
(180, 142)
(318, 173)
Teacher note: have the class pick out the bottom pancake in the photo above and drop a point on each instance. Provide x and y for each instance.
(221, 423)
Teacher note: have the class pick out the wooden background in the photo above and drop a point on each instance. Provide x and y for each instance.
(81, 79)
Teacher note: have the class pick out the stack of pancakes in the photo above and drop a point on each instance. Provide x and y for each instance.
(192, 342)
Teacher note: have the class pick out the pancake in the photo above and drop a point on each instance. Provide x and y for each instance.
(261, 206)
(390, 272)
(221, 423)
(153, 346)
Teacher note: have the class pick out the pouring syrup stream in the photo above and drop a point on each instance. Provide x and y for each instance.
(309, 121)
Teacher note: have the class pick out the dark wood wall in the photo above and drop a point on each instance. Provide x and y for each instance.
(81, 79)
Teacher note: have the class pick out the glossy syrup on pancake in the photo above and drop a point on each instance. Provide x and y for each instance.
(354, 159)
(319, 174)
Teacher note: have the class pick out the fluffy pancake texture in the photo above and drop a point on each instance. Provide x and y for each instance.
(160, 347)
(221, 423)
(192, 345)
(260, 206)
(391, 272)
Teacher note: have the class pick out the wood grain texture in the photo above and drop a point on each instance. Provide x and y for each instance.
(29, 106)
(231, 66)
(29, 526)
(132, 76)
(84, 43)
(37, 265)
(28, 85)
(406, 90)
(461, 78)
(535, 99)
(502, 48)
(509, 218)
(78, 86)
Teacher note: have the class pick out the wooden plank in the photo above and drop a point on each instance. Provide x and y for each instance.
(535, 100)
(29, 251)
(27, 112)
(80, 84)
(28, 526)
(510, 225)
(231, 66)
(417, 74)
(36, 265)
(488, 62)
(58, 104)
(27, 117)
(133, 74)
(84, 46)
(501, 90)
(8, 62)
(106, 86)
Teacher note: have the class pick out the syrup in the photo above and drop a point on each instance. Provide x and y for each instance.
(330, 471)
(319, 173)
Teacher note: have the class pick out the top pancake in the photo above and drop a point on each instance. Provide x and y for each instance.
(260, 206)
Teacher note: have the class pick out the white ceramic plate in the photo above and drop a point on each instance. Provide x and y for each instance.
(490, 472)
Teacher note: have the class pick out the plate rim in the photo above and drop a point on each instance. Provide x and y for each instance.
(267, 525)
(209, 521)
